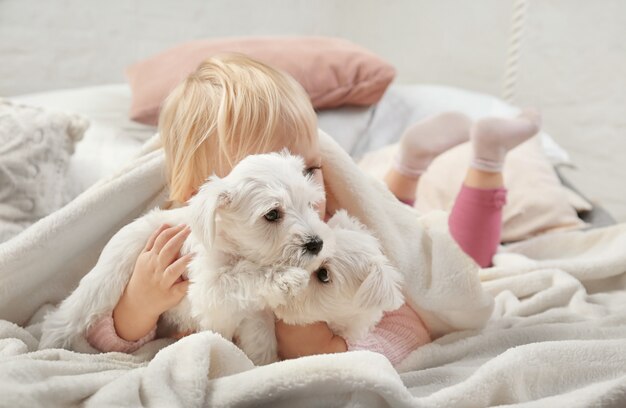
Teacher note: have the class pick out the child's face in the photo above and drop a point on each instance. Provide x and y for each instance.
(312, 156)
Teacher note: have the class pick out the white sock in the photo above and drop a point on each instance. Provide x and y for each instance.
(493, 138)
(427, 139)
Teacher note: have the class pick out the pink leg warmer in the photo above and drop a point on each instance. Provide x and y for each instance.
(476, 221)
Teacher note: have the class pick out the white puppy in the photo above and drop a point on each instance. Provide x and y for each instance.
(255, 233)
(352, 288)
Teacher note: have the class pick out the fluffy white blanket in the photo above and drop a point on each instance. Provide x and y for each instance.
(557, 333)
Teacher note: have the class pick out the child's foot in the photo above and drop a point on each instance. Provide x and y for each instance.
(427, 139)
(493, 138)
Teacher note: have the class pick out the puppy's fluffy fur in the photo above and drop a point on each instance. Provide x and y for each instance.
(256, 237)
(353, 286)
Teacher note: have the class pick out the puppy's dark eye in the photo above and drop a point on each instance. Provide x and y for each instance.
(322, 275)
(272, 216)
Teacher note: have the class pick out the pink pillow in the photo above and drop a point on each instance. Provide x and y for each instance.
(333, 71)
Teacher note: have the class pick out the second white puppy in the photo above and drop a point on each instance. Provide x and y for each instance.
(352, 288)
(255, 234)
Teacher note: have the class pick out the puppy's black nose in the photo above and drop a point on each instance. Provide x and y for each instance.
(314, 245)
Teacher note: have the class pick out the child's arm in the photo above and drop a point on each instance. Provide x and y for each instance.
(154, 287)
(299, 341)
(103, 337)
(395, 336)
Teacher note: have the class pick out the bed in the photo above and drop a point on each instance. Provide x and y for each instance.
(112, 138)
(557, 337)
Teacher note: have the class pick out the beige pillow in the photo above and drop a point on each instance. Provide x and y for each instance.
(536, 202)
(333, 71)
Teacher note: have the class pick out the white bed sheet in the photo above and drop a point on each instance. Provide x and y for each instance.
(113, 138)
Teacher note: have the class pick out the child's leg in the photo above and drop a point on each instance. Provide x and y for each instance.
(476, 218)
(420, 144)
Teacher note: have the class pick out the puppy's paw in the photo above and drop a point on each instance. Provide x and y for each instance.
(286, 284)
(293, 280)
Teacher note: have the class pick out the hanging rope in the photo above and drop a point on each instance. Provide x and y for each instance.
(518, 23)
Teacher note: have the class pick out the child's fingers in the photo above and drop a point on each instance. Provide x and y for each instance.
(180, 289)
(176, 270)
(165, 236)
(172, 248)
(154, 236)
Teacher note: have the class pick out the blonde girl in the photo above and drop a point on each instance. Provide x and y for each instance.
(233, 106)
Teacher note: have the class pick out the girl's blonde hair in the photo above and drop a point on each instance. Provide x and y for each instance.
(230, 107)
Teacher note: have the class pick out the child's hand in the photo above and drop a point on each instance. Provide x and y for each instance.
(299, 341)
(156, 284)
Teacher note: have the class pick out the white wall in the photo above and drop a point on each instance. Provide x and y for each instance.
(573, 62)
(52, 44)
(574, 69)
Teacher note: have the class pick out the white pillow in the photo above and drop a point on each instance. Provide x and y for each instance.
(35, 149)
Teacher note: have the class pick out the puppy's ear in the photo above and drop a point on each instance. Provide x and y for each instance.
(212, 197)
(381, 288)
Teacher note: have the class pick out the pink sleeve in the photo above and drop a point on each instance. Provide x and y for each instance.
(396, 335)
(103, 337)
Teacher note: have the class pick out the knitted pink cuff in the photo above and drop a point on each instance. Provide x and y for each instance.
(395, 336)
(103, 337)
